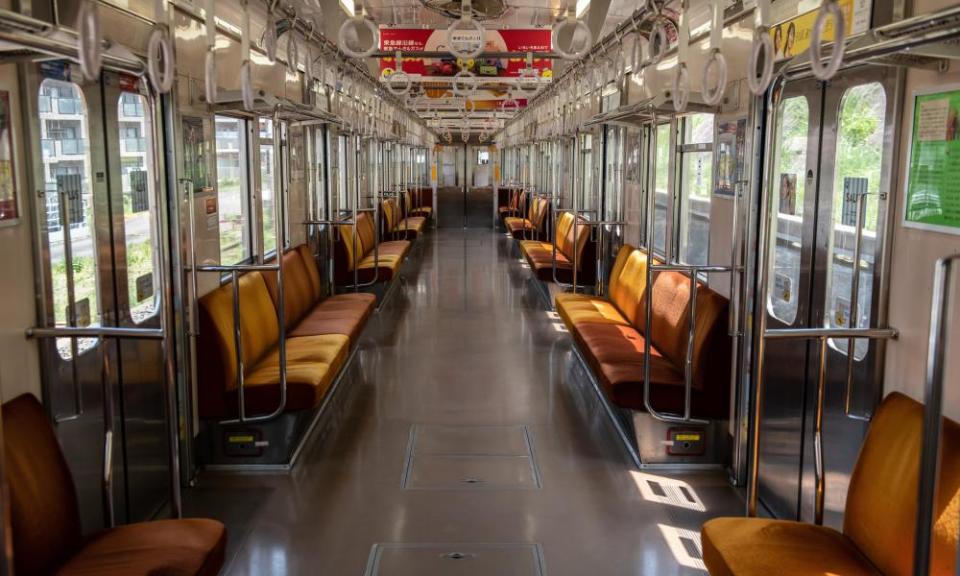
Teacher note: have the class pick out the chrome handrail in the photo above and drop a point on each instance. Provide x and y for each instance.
(823, 335)
(234, 271)
(941, 309)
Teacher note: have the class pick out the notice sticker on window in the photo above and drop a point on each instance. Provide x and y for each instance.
(145, 287)
(82, 309)
(783, 286)
(841, 312)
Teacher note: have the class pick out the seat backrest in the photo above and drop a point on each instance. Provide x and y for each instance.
(514, 199)
(258, 329)
(628, 283)
(564, 237)
(297, 290)
(391, 215)
(352, 247)
(313, 271)
(367, 233)
(44, 511)
(540, 209)
(881, 510)
(670, 322)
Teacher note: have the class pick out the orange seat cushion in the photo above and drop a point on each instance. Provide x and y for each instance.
(340, 314)
(580, 308)
(763, 547)
(193, 547)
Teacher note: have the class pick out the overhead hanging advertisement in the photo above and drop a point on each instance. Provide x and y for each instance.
(492, 96)
(932, 199)
(426, 40)
(792, 35)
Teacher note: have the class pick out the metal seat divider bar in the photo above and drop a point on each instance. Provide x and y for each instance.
(234, 271)
(693, 271)
(376, 228)
(941, 309)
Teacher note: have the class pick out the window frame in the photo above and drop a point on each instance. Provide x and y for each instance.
(680, 207)
(247, 197)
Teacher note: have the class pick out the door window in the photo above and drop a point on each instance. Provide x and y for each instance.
(137, 182)
(68, 210)
(858, 165)
(789, 187)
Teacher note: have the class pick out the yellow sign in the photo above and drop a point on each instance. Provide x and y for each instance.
(240, 439)
(687, 437)
(433, 172)
(792, 37)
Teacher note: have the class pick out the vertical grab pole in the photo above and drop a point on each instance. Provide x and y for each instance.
(238, 342)
(167, 343)
(763, 288)
(108, 417)
(853, 321)
(648, 301)
(64, 198)
(819, 474)
(576, 211)
(279, 210)
(940, 313)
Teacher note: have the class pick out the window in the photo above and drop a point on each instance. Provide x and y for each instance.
(661, 188)
(696, 187)
(69, 214)
(137, 175)
(267, 184)
(232, 198)
(857, 172)
(483, 157)
(789, 183)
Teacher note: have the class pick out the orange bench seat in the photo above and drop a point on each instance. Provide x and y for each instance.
(609, 333)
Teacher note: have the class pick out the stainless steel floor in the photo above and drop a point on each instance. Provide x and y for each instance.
(465, 442)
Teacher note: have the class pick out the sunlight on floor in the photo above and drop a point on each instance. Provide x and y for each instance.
(685, 546)
(668, 491)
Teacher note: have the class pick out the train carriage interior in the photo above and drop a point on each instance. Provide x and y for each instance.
(479, 287)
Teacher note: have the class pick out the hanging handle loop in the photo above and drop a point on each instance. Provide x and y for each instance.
(89, 40)
(826, 71)
(270, 34)
(293, 49)
(716, 62)
(473, 48)
(761, 51)
(348, 33)
(160, 69)
(580, 29)
(246, 74)
(210, 62)
(681, 80)
(399, 82)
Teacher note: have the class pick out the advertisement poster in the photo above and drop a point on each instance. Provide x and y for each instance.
(8, 184)
(792, 37)
(417, 39)
(932, 199)
(731, 147)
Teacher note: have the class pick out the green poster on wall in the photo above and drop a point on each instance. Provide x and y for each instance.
(932, 199)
